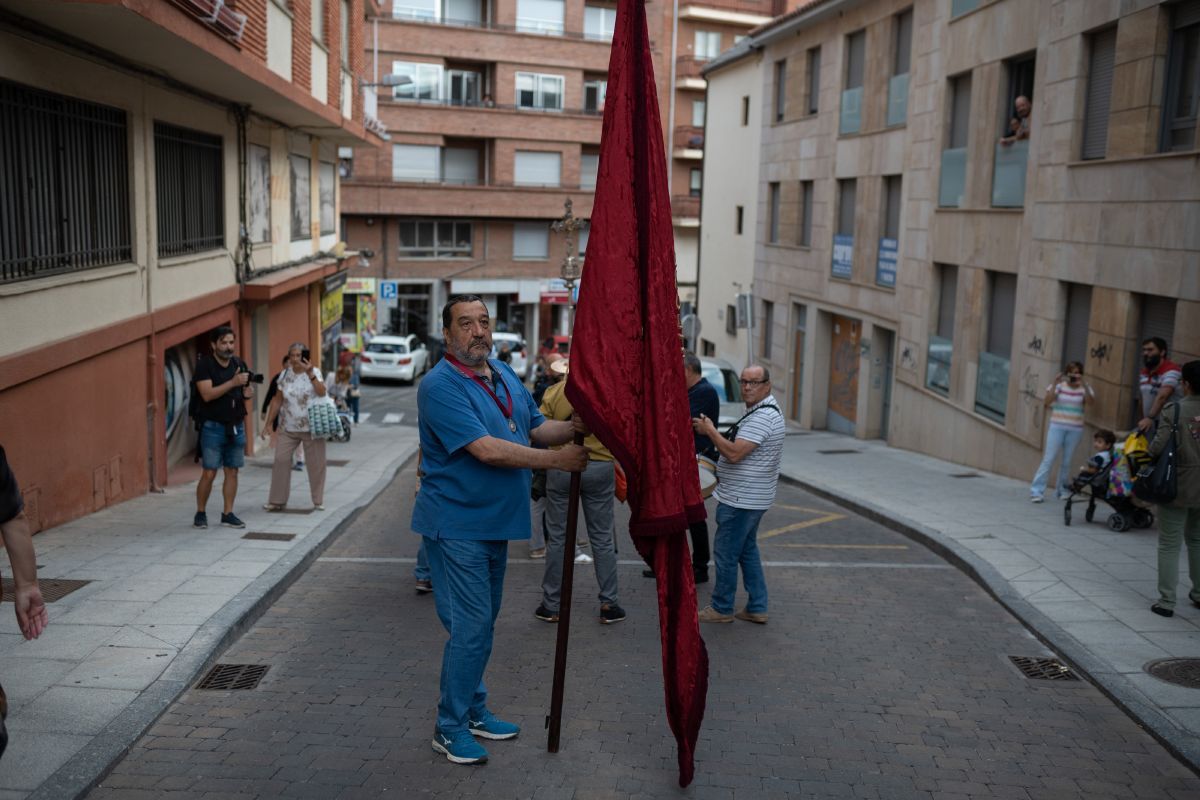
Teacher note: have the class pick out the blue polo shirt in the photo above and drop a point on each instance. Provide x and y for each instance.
(460, 496)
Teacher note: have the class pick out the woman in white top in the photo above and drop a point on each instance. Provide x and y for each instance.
(295, 387)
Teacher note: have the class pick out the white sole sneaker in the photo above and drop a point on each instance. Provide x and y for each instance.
(1037, 499)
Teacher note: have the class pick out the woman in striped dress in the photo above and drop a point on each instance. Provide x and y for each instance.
(1066, 399)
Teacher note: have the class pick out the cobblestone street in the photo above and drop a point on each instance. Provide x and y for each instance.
(883, 673)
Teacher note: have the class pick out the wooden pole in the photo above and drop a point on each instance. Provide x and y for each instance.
(554, 720)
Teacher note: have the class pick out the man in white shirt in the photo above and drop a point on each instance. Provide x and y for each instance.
(747, 475)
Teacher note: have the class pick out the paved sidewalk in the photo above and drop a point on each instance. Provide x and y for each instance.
(1084, 589)
(163, 601)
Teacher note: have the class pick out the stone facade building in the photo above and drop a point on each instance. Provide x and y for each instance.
(167, 171)
(921, 274)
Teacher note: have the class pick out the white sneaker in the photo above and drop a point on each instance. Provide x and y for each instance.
(1037, 498)
(583, 558)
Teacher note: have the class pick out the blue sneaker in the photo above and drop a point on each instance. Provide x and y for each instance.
(491, 728)
(459, 748)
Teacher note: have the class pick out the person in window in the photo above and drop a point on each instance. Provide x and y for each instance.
(488, 102)
(1018, 126)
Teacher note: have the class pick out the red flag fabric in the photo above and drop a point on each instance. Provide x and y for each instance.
(627, 377)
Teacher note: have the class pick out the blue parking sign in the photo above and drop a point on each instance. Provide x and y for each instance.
(388, 290)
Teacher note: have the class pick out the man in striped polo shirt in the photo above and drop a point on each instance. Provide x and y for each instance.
(747, 474)
(1158, 383)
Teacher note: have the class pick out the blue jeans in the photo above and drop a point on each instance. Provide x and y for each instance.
(736, 544)
(469, 576)
(1060, 439)
(421, 572)
(219, 449)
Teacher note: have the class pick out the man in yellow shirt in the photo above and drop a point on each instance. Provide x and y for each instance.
(596, 496)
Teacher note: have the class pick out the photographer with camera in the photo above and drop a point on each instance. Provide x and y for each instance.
(220, 381)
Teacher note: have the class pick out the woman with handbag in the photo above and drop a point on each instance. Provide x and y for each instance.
(1066, 398)
(1179, 518)
(296, 387)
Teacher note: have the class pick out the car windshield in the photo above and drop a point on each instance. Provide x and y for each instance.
(387, 347)
(724, 381)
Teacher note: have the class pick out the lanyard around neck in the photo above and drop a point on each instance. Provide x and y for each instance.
(506, 411)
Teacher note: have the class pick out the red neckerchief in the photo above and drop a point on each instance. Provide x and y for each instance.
(507, 412)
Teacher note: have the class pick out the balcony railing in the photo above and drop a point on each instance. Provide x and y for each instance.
(991, 390)
(371, 112)
(953, 179)
(685, 205)
(688, 138)
(959, 7)
(1008, 175)
(937, 364)
(530, 27)
(689, 66)
(897, 109)
(489, 105)
(851, 115)
(460, 183)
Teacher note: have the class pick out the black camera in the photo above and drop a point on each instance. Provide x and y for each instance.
(256, 377)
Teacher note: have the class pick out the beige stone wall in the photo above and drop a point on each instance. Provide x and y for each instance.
(1127, 225)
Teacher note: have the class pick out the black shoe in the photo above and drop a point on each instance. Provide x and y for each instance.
(647, 573)
(545, 615)
(200, 520)
(230, 520)
(1161, 611)
(424, 587)
(610, 613)
(700, 575)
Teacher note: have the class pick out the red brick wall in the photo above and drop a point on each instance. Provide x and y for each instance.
(358, 45)
(254, 39)
(302, 44)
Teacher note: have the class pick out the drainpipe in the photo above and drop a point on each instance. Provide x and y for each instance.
(671, 92)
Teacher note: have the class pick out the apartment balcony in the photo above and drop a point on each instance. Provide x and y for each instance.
(745, 13)
(688, 137)
(179, 42)
(952, 182)
(491, 42)
(685, 210)
(1008, 174)
(689, 67)
(494, 121)
(490, 200)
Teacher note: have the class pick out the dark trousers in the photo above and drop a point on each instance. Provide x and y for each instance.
(700, 551)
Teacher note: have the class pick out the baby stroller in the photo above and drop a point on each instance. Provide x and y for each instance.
(1112, 485)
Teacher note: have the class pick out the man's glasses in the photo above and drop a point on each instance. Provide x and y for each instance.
(744, 382)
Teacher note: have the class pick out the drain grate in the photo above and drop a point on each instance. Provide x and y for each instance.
(838, 452)
(270, 537)
(233, 677)
(336, 462)
(1043, 669)
(52, 588)
(1179, 671)
(965, 475)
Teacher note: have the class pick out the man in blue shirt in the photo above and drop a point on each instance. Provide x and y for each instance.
(477, 422)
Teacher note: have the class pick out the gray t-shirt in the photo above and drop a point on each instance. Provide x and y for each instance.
(751, 482)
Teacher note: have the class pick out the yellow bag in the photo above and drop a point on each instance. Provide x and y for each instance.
(1135, 443)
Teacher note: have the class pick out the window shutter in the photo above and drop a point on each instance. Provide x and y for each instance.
(1079, 312)
(1099, 93)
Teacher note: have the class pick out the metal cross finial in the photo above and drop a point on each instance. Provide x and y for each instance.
(569, 224)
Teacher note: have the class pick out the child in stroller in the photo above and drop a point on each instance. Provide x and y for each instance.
(1107, 477)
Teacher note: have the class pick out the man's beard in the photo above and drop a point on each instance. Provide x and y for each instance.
(469, 359)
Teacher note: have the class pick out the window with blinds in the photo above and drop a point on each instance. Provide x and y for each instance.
(806, 204)
(1181, 103)
(814, 79)
(780, 89)
(960, 110)
(1079, 312)
(847, 191)
(531, 240)
(532, 168)
(856, 59)
(773, 212)
(1099, 92)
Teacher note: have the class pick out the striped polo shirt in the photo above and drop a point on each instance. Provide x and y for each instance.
(1067, 410)
(751, 482)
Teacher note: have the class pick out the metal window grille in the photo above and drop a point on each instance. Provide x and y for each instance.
(189, 182)
(64, 184)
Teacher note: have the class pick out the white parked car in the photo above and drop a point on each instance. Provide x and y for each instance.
(720, 374)
(397, 357)
(516, 346)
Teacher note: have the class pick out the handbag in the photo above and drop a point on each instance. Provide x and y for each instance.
(323, 419)
(1158, 481)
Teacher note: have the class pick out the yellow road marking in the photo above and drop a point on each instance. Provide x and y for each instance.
(850, 546)
(801, 525)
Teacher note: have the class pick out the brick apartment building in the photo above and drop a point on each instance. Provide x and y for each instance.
(171, 166)
(496, 123)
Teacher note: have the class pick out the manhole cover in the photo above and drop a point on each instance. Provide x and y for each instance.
(1043, 669)
(52, 588)
(270, 537)
(838, 452)
(965, 475)
(1179, 671)
(336, 462)
(233, 677)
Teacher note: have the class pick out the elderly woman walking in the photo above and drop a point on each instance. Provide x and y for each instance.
(1066, 399)
(296, 387)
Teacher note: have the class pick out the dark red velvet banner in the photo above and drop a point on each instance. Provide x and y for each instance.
(627, 377)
